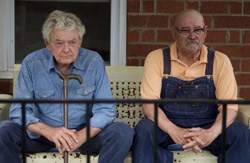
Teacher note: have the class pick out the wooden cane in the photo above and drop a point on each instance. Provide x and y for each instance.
(66, 78)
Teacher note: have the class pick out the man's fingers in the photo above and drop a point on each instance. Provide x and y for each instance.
(59, 146)
(64, 144)
(197, 149)
(70, 141)
(64, 139)
(193, 132)
(71, 133)
(189, 145)
(194, 129)
(199, 141)
(190, 135)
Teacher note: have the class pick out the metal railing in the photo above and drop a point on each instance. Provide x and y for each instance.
(89, 103)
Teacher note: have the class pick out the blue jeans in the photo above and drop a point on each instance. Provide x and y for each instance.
(237, 144)
(112, 144)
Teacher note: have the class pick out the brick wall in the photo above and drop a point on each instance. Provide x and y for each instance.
(150, 22)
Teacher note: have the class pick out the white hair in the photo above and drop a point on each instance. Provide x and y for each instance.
(62, 20)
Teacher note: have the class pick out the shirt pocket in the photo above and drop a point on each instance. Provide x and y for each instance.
(85, 92)
(78, 111)
(44, 94)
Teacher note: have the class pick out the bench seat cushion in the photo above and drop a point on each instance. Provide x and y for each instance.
(77, 157)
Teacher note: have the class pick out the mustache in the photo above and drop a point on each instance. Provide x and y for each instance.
(191, 41)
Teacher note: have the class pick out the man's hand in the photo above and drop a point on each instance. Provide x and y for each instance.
(177, 135)
(199, 138)
(175, 132)
(81, 137)
(187, 142)
(63, 138)
(192, 146)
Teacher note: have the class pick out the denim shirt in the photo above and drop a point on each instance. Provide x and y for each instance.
(39, 79)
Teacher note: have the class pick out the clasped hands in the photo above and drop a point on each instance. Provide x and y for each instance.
(66, 139)
(193, 139)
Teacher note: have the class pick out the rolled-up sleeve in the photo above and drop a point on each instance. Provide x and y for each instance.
(23, 90)
(103, 113)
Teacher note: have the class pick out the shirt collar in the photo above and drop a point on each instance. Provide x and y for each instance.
(51, 62)
(78, 62)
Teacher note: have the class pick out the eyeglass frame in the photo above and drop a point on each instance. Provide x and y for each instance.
(61, 44)
(197, 31)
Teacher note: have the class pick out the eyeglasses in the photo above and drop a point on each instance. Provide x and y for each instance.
(62, 44)
(185, 32)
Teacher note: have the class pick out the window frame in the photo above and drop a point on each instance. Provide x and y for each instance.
(7, 34)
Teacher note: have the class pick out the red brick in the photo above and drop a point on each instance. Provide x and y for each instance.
(235, 7)
(246, 8)
(133, 35)
(213, 7)
(236, 51)
(142, 61)
(235, 64)
(245, 51)
(148, 36)
(172, 20)
(135, 61)
(243, 79)
(164, 36)
(148, 6)
(170, 6)
(141, 49)
(244, 93)
(246, 37)
(234, 37)
(208, 21)
(216, 36)
(158, 21)
(132, 61)
(133, 6)
(232, 22)
(193, 5)
(136, 21)
(245, 65)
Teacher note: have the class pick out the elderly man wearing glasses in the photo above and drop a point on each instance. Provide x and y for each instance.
(189, 70)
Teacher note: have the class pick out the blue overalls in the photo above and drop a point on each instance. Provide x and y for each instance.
(189, 115)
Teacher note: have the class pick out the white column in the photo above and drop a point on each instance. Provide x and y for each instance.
(118, 32)
(6, 38)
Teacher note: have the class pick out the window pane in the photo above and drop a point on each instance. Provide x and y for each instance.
(30, 15)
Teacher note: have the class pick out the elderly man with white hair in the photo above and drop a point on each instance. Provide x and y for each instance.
(39, 78)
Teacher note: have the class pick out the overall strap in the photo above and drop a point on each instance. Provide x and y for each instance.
(210, 62)
(167, 61)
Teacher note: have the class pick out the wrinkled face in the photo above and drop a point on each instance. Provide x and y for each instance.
(64, 45)
(190, 32)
